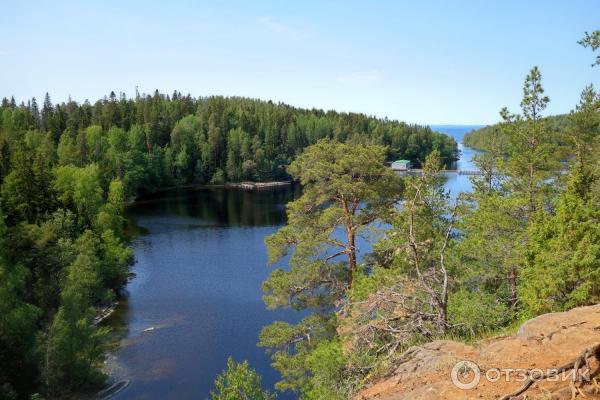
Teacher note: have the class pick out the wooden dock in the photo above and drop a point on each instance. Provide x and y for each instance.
(258, 185)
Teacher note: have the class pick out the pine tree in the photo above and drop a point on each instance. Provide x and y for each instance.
(47, 114)
(420, 238)
(531, 152)
(592, 40)
(346, 188)
(586, 127)
(517, 187)
(36, 113)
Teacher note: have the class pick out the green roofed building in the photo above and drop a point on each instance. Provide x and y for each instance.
(401, 165)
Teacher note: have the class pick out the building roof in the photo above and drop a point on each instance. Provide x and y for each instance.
(402, 161)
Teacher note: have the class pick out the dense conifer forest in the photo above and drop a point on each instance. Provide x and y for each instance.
(161, 140)
(66, 172)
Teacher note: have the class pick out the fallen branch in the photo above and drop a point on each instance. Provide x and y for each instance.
(575, 365)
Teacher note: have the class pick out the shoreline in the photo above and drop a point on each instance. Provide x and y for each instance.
(247, 185)
(257, 185)
(105, 312)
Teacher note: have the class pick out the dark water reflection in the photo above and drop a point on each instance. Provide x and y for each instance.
(218, 206)
(196, 296)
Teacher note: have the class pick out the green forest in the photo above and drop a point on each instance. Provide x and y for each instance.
(66, 172)
(524, 242)
(156, 141)
(493, 137)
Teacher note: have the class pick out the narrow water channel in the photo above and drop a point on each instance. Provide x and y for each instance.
(196, 295)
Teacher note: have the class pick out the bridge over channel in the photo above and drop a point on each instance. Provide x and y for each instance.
(444, 171)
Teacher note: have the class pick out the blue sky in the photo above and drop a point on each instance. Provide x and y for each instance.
(436, 62)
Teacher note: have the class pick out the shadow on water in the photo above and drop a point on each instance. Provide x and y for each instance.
(196, 295)
(219, 206)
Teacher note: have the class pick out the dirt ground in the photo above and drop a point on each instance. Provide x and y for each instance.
(541, 345)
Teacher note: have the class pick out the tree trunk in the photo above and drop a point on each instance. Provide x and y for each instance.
(443, 318)
(531, 190)
(512, 278)
(351, 255)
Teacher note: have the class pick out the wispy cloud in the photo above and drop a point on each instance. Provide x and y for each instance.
(371, 76)
(278, 27)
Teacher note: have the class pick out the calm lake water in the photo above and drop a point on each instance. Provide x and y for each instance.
(196, 295)
(456, 183)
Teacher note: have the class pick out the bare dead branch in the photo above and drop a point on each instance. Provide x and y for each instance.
(575, 365)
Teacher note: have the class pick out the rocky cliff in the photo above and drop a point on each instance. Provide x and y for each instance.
(496, 368)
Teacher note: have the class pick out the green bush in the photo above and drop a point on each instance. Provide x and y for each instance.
(239, 382)
(473, 313)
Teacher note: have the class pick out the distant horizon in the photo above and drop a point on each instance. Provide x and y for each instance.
(457, 125)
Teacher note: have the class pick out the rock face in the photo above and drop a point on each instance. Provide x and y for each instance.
(546, 342)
